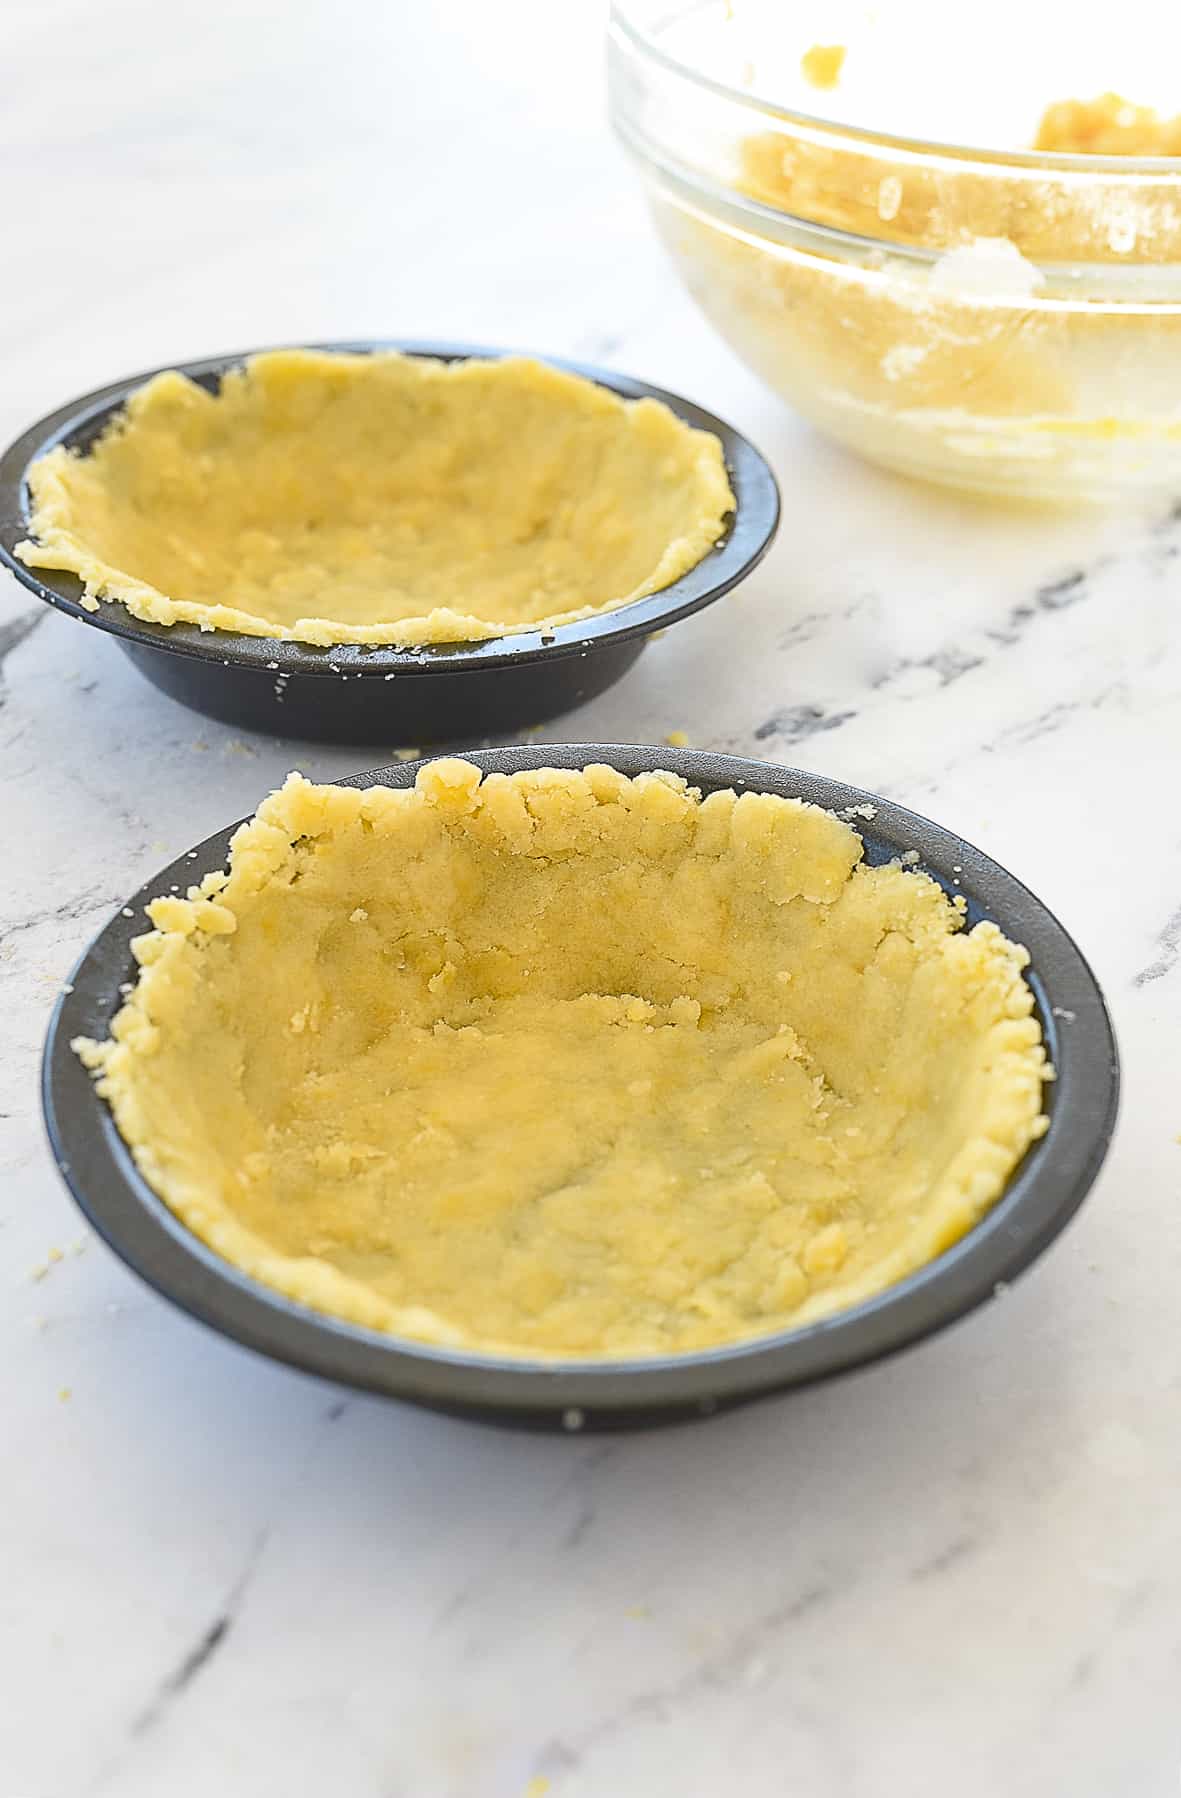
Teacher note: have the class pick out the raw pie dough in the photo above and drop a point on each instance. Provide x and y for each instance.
(380, 499)
(570, 1063)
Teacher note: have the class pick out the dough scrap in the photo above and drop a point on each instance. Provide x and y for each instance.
(821, 64)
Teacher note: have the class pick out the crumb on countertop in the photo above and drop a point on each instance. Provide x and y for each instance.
(77, 1247)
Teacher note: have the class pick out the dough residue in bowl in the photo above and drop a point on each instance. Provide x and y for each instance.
(570, 1063)
(338, 498)
(1109, 125)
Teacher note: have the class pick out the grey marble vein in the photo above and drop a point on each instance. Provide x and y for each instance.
(1060, 595)
(576, 1485)
(1053, 717)
(15, 632)
(794, 724)
(821, 621)
(959, 1549)
(214, 1635)
(736, 1664)
(947, 664)
(1084, 1668)
(199, 1654)
(68, 912)
(202, 1651)
(1170, 953)
(951, 662)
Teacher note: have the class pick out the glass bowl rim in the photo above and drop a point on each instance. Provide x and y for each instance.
(1047, 164)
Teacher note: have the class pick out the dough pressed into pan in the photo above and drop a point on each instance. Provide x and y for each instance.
(566, 1063)
(335, 498)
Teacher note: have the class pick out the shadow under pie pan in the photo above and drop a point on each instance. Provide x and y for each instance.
(572, 1394)
(360, 693)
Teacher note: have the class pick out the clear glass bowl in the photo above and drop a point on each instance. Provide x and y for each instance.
(1005, 321)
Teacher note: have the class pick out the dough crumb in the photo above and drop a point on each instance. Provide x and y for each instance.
(821, 66)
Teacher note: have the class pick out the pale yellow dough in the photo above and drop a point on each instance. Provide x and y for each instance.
(380, 499)
(567, 1063)
(1108, 126)
(821, 65)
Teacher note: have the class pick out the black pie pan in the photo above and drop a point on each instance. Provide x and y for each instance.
(1042, 1194)
(359, 693)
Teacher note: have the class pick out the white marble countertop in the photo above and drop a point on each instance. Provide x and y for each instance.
(960, 1572)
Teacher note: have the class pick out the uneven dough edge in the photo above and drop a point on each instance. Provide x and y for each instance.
(57, 541)
(263, 848)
